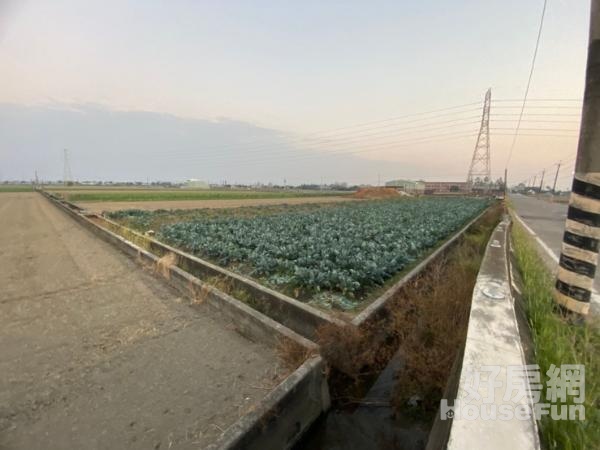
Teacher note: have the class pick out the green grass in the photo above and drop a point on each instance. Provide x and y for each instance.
(557, 341)
(16, 187)
(156, 195)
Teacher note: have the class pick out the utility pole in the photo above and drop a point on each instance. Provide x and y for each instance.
(542, 182)
(581, 241)
(67, 177)
(556, 178)
(534, 181)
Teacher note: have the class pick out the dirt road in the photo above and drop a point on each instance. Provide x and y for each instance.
(99, 207)
(99, 354)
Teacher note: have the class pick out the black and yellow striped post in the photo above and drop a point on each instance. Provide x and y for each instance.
(581, 242)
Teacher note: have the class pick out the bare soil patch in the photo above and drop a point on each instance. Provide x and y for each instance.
(376, 192)
(98, 207)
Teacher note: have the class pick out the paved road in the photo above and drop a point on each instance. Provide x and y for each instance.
(547, 220)
(97, 353)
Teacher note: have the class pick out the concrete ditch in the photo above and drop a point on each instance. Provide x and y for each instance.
(282, 417)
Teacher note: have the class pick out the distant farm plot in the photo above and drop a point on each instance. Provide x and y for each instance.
(15, 188)
(332, 255)
(137, 195)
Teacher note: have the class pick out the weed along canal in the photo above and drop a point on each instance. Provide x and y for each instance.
(387, 377)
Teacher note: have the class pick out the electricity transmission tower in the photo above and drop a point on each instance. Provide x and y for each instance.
(480, 164)
(67, 176)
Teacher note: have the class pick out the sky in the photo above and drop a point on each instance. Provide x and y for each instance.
(305, 91)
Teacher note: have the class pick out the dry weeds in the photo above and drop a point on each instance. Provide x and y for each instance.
(292, 354)
(164, 264)
(426, 324)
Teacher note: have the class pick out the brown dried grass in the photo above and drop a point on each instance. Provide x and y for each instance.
(292, 354)
(164, 264)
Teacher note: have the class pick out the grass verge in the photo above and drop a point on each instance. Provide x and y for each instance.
(558, 341)
(16, 188)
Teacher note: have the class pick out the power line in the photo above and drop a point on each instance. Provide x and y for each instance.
(537, 121)
(519, 100)
(354, 134)
(339, 138)
(364, 148)
(537, 129)
(537, 114)
(317, 138)
(347, 141)
(538, 135)
(384, 123)
(538, 107)
(537, 44)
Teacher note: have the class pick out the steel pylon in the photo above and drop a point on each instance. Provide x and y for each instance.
(480, 164)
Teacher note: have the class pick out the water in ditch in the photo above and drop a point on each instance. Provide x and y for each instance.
(369, 422)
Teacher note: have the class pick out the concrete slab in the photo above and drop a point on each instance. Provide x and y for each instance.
(493, 340)
(98, 353)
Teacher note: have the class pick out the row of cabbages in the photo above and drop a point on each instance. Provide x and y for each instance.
(346, 248)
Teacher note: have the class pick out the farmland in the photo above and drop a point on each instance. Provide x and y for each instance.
(15, 188)
(139, 195)
(327, 254)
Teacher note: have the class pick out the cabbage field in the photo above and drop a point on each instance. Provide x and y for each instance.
(343, 250)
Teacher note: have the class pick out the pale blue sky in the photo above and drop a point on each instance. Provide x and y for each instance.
(294, 67)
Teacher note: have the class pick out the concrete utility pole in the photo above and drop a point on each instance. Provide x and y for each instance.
(67, 176)
(542, 182)
(556, 178)
(581, 241)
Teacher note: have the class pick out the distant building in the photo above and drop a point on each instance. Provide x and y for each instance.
(195, 184)
(409, 186)
(446, 187)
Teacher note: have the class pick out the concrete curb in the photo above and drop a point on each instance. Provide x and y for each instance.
(298, 397)
(493, 339)
(290, 408)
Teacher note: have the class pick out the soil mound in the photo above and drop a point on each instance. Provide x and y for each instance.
(376, 192)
